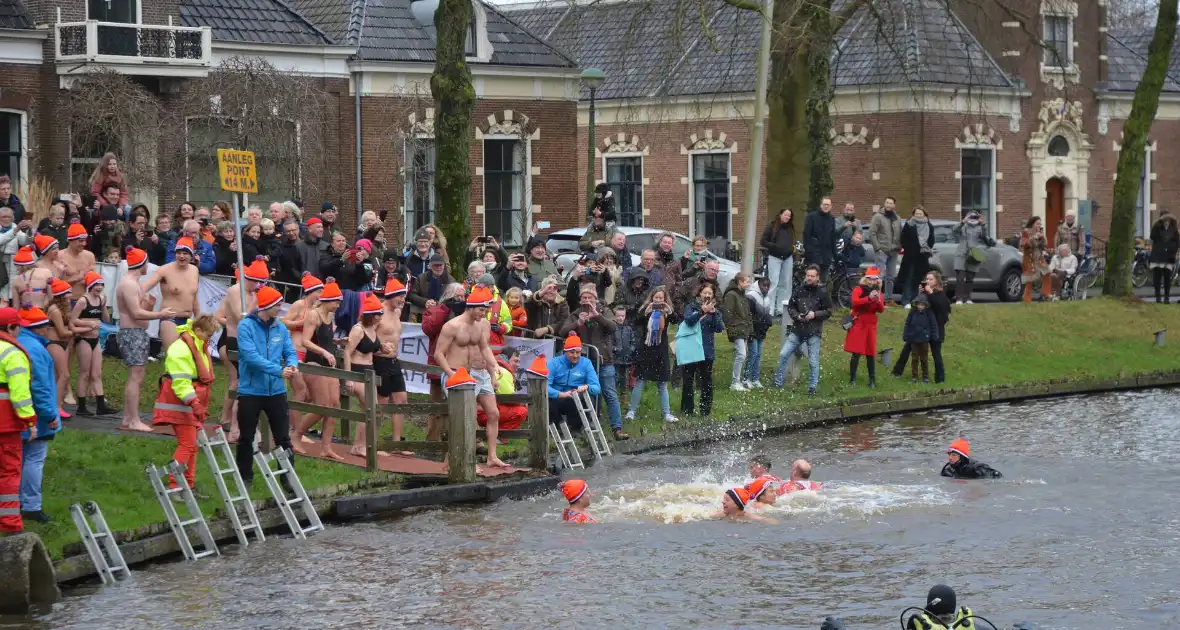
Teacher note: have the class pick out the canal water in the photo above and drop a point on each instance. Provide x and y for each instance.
(1079, 534)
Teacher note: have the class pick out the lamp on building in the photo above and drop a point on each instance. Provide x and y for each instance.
(423, 11)
(592, 78)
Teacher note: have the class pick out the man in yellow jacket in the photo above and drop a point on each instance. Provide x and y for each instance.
(16, 416)
(183, 401)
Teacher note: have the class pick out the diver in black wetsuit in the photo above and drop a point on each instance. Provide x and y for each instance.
(959, 464)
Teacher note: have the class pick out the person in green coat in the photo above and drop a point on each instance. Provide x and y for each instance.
(739, 324)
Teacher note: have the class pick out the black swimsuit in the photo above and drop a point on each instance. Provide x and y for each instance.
(323, 339)
(90, 312)
(367, 345)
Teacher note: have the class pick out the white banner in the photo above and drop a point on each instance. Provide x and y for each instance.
(415, 347)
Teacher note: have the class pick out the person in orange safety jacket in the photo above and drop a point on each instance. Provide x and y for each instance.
(183, 401)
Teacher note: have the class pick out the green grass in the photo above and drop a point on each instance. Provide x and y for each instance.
(986, 345)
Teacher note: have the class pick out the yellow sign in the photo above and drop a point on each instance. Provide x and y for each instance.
(236, 171)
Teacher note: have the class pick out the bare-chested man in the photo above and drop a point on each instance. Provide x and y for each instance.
(76, 261)
(135, 309)
(385, 362)
(463, 342)
(31, 285)
(230, 315)
(178, 289)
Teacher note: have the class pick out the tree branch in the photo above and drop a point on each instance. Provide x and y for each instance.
(745, 5)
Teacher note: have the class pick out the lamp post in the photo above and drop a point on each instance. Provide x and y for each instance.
(592, 78)
(750, 242)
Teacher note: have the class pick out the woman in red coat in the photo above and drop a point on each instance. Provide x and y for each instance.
(867, 301)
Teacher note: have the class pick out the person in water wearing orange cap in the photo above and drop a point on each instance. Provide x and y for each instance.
(959, 464)
(578, 494)
(734, 503)
(762, 491)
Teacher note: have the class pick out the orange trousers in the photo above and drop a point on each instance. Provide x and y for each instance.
(511, 416)
(186, 452)
(11, 451)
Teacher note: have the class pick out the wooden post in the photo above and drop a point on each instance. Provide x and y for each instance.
(538, 390)
(461, 441)
(370, 420)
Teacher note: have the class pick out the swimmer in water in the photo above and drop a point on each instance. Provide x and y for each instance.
(959, 464)
(578, 494)
(762, 492)
(800, 478)
(733, 506)
(760, 469)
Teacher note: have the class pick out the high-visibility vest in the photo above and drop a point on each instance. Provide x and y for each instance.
(16, 397)
(184, 391)
(963, 621)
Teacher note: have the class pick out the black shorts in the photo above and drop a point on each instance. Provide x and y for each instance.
(392, 379)
(228, 343)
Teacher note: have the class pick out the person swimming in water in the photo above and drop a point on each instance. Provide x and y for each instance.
(800, 478)
(578, 494)
(733, 506)
(959, 464)
(762, 491)
(760, 469)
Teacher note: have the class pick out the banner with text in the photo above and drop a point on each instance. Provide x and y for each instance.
(415, 348)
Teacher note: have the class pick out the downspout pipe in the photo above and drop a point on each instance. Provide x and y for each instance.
(360, 159)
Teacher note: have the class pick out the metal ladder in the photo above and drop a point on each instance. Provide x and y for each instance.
(243, 495)
(567, 449)
(159, 479)
(590, 424)
(112, 561)
(272, 475)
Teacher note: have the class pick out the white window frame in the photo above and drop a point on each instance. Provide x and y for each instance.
(693, 230)
(642, 169)
(483, 45)
(991, 211)
(138, 11)
(22, 182)
(408, 209)
(298, 151)
(526, 199)
(1145, 194)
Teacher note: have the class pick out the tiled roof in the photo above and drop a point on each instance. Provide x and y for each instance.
(1127, 59)
(253, 21)
(650, 48)
(13, 15)
(385, 30)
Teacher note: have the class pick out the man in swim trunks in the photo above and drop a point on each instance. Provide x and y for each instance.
(230, 315)
(385, 362)
(135, 309)
(178, 289)
(463, 342)
(76, 261)
(578, 494)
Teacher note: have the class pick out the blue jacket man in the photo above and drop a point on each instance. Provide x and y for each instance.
(43, 385)
(266, 358)
(567, 373)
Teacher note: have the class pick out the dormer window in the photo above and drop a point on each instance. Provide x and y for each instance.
(476, 46)
(470, 45)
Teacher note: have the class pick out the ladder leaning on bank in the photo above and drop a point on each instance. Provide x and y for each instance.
(567, 449)
(220, 474)
(112, 562)
(164, 494)
(590, 424)
(286, 471)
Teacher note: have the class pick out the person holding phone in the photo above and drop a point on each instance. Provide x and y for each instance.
(867, 303)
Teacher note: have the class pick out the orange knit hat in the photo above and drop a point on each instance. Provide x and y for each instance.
(33, 317)
(136, 258)
(739, 496)
(873, 272)
(44, 243)
(310, 282)
(268, 297)
(92, 278)
(76, 232)
(394, 287)
(479, 296)
(574, 489)
(331, 292)
(460, 378)
(961, 447)
(759, 486)
(573, 342)
(257, 270)
(59, 287)
(372, 305)
(185, 244)
(539, 367)
(24, 257)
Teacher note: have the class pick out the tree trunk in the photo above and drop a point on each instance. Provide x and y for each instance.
(819, 119)
(1121, 246)
(454, 101)
(788, 151)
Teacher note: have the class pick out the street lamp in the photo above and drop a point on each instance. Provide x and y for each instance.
(592, 78)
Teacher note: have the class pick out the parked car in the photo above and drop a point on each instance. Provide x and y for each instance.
(563, 246)
(1000, 271)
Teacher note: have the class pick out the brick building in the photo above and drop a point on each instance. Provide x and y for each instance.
(950, 110)
(523, 153)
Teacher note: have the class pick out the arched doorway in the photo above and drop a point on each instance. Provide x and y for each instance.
(1054, 206)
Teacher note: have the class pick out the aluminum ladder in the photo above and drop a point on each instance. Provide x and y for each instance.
(112, 561)
(590, 424)
(248, 514)
(159, 479)
(567, 449)
(287, 471)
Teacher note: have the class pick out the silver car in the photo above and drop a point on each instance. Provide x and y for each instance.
(1000, 271)
(563, 247)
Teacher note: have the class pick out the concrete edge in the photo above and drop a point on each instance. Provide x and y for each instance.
(863, 409)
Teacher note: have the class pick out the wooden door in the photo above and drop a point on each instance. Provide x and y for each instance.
(1054, 207)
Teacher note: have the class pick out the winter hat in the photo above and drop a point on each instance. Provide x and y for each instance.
(739, 496)
(539, 367)
(24, 257)
(77, 232)
(44, 243)
(9, 317)
(136, 258)
(257, 270)
(310, 283)
(394, 288)
(268, 297)
(459, 379)
(574, 489)
(365, 244)
(372, 305)
(327, 206)
(59, 287)
(921, 299)
(479, 296)
(873, 272)
(573, 342)
(185, 244)
(92, 278)
(391, 254)
(487, 280)
(315, 221)
(961, 447)
(941, 600)
(759, 486)
(33, 317)
(331, 291)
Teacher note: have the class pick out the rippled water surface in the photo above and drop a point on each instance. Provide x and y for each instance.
(1081, 534)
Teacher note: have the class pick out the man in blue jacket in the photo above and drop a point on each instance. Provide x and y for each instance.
(43, 385)
(207, 260)
(568, 374)
(266, 359)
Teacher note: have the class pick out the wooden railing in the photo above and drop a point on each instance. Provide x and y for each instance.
(460, 409)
